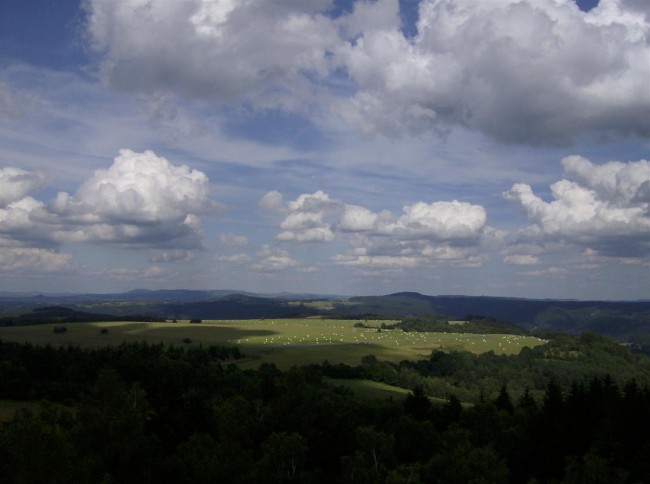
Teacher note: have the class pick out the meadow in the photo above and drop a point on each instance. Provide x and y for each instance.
(284, 342)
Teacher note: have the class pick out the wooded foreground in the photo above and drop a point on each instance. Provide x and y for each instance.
(152, 413)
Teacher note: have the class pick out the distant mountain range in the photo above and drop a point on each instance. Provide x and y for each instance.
(147, 295)
(623, 320)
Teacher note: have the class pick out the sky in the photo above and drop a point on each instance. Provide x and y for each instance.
(351, 147)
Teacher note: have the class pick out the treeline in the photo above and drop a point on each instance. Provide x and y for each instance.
(469, 324)
(148, 413)
(618, 319)
(235, 307)
(471, 377)
(60, 314)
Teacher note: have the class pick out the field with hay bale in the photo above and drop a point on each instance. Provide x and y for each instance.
(284, 342)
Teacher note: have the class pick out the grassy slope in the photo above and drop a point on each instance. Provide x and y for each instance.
(375, 389)
(285, 342)
(9, 408)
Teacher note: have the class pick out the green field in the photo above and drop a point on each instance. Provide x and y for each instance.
(382, 391)
(285, 342)
(9, 408)
(377, 389)
(370, 388)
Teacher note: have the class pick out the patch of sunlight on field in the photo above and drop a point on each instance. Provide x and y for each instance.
(380, 390)
(90, 334)
(370, 388)
(10, 408)
(285, 342)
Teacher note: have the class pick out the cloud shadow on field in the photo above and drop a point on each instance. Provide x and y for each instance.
(88, 334)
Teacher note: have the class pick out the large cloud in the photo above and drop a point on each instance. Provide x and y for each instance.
(16, 226)
(217, 49)
(21, 223)
(142, 200)
(441, 221)
(310, 218)
(518, 70)
(521, 71)
(15, 184)
(607, 208)
(425, 233)
(138, 188)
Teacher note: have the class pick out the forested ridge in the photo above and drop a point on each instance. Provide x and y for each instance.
(60, 314)
(148, 413)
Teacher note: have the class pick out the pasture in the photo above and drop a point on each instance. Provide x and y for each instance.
(9, 408)
(379, 390)
(285, 342)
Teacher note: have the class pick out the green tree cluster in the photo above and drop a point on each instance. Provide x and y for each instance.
(148, 413)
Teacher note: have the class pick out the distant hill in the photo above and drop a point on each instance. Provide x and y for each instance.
(470, 324)
(236, 306)
(60, 314)
(619, 319)
(178, 295)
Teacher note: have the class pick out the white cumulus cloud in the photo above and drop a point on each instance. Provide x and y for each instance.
(216, 49)
(310, 218)
(442, 220)
(142, 200)
(523, 71)
(606, 209)
(15, 184)
(520, 71)
(139, 188)
(425, 233)
(271, 202)
(465, 67)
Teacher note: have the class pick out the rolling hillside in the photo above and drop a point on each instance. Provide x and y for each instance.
(623, 320)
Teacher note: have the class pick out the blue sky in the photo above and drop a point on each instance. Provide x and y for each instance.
(341, 147)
